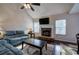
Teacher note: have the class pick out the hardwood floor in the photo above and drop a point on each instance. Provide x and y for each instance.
(64, 49)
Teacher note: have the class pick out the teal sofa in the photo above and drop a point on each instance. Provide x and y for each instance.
(8, 49)
(10, 41)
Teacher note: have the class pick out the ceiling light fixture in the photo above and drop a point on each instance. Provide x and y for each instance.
(26, 6)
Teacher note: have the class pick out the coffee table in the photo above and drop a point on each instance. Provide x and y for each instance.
(35, 43)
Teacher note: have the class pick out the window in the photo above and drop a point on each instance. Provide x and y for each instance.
(36, 27)
(60, 26)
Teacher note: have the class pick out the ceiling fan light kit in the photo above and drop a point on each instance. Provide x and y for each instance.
(29, 5)
(26, 6)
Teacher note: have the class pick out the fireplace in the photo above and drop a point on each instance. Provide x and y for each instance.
(46, 32)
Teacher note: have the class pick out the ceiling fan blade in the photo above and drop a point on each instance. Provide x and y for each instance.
(22, 7)
(37, 4)
(32, 8)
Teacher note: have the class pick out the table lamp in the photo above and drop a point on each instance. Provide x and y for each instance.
(1, 32)
(30, 30)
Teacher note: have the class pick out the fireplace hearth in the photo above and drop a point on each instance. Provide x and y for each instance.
(46, 32)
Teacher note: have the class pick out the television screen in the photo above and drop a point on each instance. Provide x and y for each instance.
(44, 21)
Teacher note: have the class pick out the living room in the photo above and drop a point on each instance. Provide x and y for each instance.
(13, 19)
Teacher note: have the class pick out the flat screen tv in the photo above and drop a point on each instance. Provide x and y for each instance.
(44, 21)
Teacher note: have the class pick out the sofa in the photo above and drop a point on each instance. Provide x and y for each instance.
(15, 37)
(9, 42)
(14, 34)
(8, 49)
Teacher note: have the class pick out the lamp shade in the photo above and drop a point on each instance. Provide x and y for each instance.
(1, 32)
(1, 29)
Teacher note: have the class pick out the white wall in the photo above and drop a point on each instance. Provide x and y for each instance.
(15, 18)
(71, 27)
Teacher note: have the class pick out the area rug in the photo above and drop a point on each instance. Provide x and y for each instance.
(29, 50)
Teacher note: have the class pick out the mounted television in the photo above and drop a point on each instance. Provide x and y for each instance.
(44, 21)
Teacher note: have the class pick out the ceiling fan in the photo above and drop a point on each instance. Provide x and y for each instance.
(29, 5)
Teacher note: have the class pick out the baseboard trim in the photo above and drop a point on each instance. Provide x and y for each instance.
(65, 42)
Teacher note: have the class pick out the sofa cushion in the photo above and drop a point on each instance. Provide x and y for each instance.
(3, 41)
(10, 33)
(19, 32)
(5, 51)
(15, 41)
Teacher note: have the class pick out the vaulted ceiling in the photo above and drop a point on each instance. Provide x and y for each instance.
(75, 8)
(44, 10)
(47, 9)
(12, 10)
